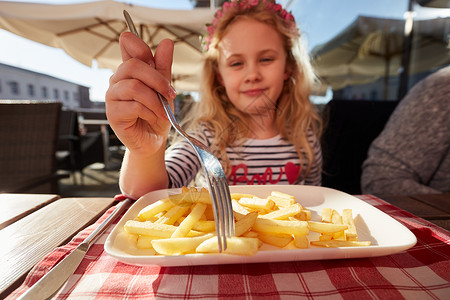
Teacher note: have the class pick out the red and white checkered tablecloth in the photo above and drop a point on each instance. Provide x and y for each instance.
(422, 272)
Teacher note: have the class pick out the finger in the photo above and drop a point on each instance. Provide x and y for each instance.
(137, 69)
(134, 123)
(164, 57)
(134, 90)
(126, 113)
(131, 46)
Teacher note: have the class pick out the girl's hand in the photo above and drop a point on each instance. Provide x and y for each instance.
(132, 106)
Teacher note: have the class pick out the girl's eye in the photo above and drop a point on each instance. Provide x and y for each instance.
(266, 59)
(235, 64)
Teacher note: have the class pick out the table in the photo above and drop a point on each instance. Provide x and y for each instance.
(16, 206)
(34, 225)
(421, 272)
(432, 207)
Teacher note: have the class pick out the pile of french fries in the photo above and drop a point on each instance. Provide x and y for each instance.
(184, 224)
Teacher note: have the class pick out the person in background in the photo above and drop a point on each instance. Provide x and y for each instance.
(254, 112)
(412, 153)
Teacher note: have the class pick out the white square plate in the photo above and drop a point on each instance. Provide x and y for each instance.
(386, 234)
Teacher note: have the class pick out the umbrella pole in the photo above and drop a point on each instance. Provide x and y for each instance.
(386, 80)
(386, 68)
(407, 42)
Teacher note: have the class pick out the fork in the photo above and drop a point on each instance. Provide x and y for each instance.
(212, 171)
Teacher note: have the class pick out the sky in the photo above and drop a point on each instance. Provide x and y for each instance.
(319, 20)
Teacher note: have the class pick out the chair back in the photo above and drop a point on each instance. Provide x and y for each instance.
(350, 126)
(28, 136)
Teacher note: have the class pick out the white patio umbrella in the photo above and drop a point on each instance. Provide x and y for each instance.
(90, 31)
(371, 48)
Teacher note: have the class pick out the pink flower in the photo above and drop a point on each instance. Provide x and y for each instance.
(278, 7)
(226, 5)
(210, 30)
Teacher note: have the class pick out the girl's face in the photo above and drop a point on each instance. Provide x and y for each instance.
(252, 66)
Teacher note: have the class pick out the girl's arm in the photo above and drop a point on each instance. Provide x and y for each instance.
(136, 114)
(141, 174)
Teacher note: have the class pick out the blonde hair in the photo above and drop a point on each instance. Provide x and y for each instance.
(294, 116)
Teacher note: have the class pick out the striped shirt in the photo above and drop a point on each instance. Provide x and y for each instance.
(268, 161)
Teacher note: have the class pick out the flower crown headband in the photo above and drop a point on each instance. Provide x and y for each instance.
(243, 5)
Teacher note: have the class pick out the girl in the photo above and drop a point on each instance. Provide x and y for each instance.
(254, 112)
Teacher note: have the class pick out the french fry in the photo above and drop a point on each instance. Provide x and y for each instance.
(178, 246)
(245, 224)
(301, 241)
(203, 225)
(149, 228)
(326, 237)
(235, 245)
(304, 215)
(282, 195)
(340, 243)
(326, 215)
(257, 203)
(325, 227)
(155, 208)
(278, 240)
(173, 214)
(145, 242)
(209, 213)
(347, 219)
(192, 195)
(281, 226)
(336, 218)
(283, 213)
(250, 233)
(282, 201)
(237, 196)
(188, 223)
(152, 229)
(238, 210)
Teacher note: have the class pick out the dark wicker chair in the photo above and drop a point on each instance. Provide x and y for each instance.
(28, 135)
(350, 126)
(76, 151)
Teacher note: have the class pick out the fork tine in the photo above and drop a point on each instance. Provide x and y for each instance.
(221, 210)
(226, 207)
(216, 209)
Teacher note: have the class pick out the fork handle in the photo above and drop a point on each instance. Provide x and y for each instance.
(175, 124)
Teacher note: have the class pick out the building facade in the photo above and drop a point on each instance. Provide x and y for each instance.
(22, 84)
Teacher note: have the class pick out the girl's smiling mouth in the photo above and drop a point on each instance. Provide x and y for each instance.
(253, 92)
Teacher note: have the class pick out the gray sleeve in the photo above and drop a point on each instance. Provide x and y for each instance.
(409, 151)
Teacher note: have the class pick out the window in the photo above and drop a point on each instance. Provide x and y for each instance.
(30, 90)
(55, 94)
(14, 87)
(75, 96)
(66, 95)
(44, 92)
(0, 86)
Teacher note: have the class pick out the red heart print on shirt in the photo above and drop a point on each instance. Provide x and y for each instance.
(291, 171)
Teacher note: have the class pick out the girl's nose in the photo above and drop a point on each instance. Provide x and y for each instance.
(253, 74)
